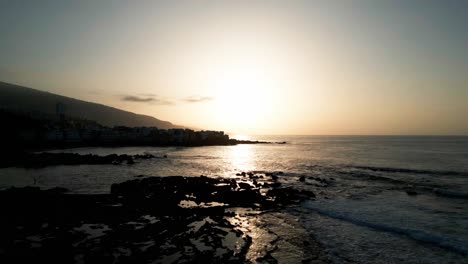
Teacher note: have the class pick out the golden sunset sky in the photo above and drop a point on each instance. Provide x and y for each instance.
(251, 67)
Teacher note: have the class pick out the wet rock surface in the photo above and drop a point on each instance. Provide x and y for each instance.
(159, 220)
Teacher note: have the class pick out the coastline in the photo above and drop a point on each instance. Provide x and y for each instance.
(43, 147)
(364, 201)
(161, 219)
(31, 159)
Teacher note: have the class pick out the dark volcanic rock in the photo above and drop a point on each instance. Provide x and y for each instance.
(39, 160)
(289, 195)
(141, 221)
(244, 185)
(174, 189)
(411, 192)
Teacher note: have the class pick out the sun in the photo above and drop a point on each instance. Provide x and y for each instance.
(247, 75)
(244, 95)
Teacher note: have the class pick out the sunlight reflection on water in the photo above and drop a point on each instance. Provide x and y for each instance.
(241, 157)
(306, 155)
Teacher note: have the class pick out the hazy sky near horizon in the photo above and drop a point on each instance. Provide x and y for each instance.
(253, 67)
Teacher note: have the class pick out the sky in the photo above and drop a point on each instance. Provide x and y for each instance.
(251, 67)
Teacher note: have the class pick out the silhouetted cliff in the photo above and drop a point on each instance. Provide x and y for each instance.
(27, 100)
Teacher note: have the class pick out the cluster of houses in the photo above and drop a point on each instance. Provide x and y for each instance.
(39, 130)
(135, 135)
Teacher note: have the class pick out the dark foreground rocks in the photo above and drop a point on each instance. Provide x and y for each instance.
(39, 160)
(155, 220)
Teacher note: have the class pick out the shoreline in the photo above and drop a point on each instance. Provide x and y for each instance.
(22, 146)
(31, 159)
(45, 159)
(192, 219)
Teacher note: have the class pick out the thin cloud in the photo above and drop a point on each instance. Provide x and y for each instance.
(198, 99)
(150, 100)
(132, 98)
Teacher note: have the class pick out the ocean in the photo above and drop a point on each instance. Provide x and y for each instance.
(380, 199)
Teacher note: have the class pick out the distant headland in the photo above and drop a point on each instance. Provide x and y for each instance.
(39, 120)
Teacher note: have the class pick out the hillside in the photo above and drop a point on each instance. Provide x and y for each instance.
(23, 99)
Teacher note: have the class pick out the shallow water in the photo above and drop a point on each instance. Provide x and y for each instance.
(362, 213)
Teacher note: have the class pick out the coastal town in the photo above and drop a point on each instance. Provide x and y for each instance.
(136, 135)
(121, 135)
(26, 130)
(36, 129)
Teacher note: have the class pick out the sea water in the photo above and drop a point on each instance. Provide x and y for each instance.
(365, 214)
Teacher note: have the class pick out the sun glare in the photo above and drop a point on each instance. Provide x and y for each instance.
(245, 71)
(244, 94)
(241, 157)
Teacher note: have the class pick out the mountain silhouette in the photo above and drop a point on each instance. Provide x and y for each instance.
(27, 100)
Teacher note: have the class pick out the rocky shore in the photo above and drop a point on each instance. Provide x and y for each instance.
(28, 159)
(44, 159)
(159, 220)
